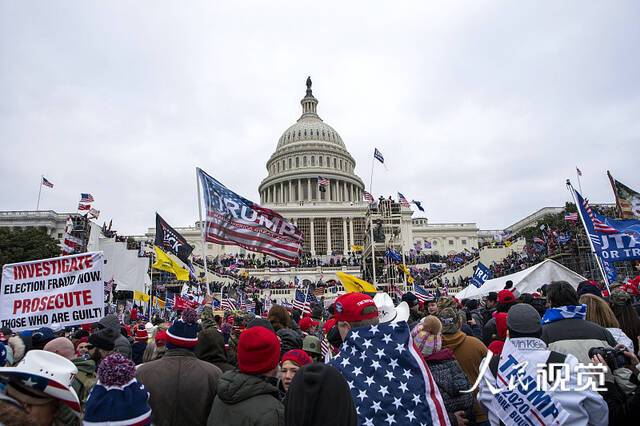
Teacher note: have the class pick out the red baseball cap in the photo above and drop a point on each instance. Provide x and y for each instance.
(328, 325)
(306, 323)
(506, 297)
(354, 307)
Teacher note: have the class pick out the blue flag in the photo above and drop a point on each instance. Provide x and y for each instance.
(610, 270)
(389, 380)
(612, 239)
(393, 255)
(481, 274)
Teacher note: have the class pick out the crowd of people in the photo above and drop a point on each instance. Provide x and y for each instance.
(289, 368)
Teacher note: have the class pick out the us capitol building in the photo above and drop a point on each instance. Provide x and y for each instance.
(333, 220)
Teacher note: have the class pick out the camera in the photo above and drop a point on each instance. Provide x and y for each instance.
(614, 357)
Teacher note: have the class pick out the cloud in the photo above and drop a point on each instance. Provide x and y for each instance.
(482, 109)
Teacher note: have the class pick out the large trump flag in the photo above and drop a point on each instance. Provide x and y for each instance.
(232, 219)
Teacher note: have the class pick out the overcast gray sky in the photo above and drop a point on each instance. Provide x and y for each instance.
(481, 108)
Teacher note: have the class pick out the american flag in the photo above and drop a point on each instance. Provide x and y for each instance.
(94, 213)
(234, 220)
(539, 240)
(598, 225)
(368, 197)
(422, 294)
(319, 291)
(86, 198)
(170, 301)
(572, 217)
(288, 306)
(228, 304)
(322, 181)
(325, 348)
(445, 289)
(378, 155)
(84, 206)
(46, 183)
(403, 201)
(389, 380)
(300, 302)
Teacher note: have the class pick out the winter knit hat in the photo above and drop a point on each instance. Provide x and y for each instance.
(118, 398)
(297, 356)
(450, 320)
(61, 346)
(184, 331)
(104, 339)
(426, 335)
(258, 351)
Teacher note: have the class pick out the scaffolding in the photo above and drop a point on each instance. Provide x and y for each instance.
(383, 232)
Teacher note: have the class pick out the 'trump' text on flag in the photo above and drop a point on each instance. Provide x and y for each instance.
(232, 219)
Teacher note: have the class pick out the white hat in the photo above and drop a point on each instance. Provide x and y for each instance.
(387, 312)
(48, 373)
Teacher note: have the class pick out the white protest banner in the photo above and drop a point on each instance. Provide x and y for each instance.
(67, 290)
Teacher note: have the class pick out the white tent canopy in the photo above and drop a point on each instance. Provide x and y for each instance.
(525, 281)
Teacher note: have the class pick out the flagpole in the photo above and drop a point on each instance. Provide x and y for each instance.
(39, 192)
(204, 253)
(593, 250)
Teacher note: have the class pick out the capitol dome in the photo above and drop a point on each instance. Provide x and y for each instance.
(311, 163)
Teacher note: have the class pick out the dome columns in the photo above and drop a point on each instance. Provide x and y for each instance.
(302, 189)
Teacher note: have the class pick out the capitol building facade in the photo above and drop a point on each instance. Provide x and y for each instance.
(332, 217)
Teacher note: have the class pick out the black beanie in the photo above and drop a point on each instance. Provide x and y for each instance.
(104, 339)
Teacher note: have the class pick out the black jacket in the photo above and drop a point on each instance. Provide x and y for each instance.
(244, 400)
(623, 409)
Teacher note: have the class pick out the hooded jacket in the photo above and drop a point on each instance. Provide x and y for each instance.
(469, 352)
(85, 379)
(181, 388)
(122, 344)
(451, 381)
(318, 396)
(289, 339)
(585, 407)
(244, 400)
(210, 348)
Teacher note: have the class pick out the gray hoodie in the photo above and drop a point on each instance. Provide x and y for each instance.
(122, 344)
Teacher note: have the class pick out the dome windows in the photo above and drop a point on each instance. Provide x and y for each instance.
(320, 161)
(297, 162)
(290, 163)
(313, 160)
(304, 161)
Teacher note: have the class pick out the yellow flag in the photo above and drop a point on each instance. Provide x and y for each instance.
(160, 304)
(138, 295)
(165, 263)
(406, 272)
(354, 284)
(507, 243)
(356, 248)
